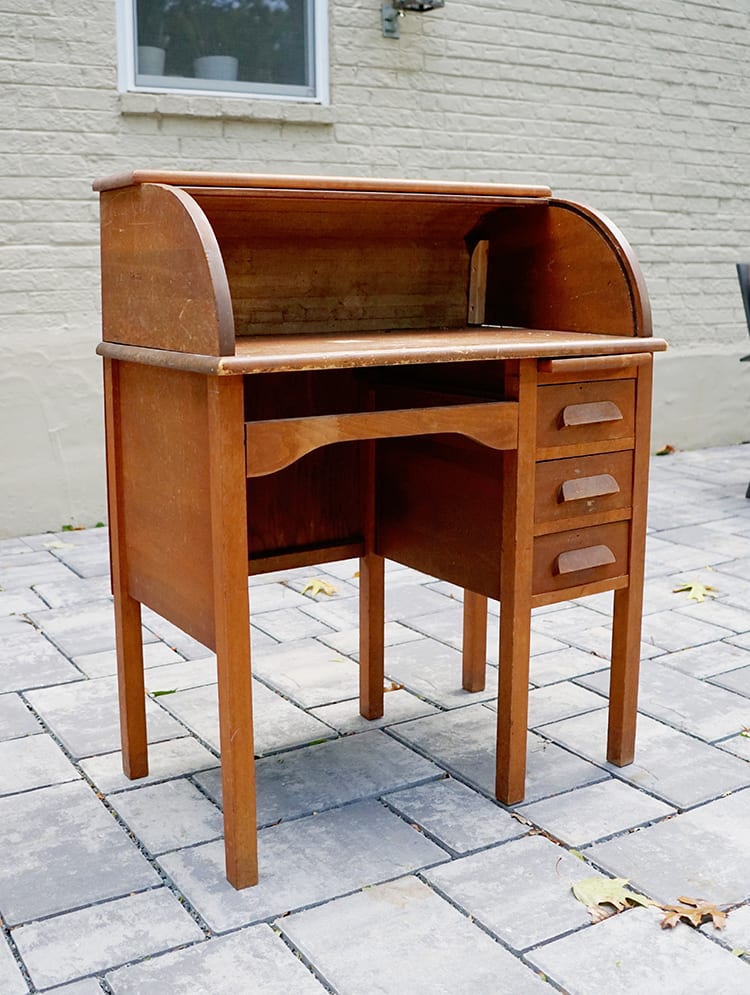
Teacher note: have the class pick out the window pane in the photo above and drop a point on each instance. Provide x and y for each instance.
(250, 41)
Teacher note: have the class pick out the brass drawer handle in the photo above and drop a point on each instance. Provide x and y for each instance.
(591, 413)
(588, 487)
(584, 559)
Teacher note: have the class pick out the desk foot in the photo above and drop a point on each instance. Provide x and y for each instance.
(474, 656)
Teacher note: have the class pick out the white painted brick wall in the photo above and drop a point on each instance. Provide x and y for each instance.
(639, 107)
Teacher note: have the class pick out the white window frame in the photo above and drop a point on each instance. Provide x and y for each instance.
(317, 55)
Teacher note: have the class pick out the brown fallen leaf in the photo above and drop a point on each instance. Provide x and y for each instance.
(392, 686)
(696, 591)
(596, 892)
(317, 586)
(665, 450)
(694, 911)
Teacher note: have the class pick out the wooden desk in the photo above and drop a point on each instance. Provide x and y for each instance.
(455, 376)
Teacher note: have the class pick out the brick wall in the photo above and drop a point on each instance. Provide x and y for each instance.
(639, 107)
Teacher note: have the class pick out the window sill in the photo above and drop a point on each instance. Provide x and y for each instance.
(230, 108)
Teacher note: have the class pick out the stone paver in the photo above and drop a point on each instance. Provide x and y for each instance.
(69, 946)
(11, 979)
(308, 672)
(714, 858)
(675, 767)
(85, 716)
(62, 850)
(33, 762)
(326, 775)
(169, 815)
(15, 718)
(304, 862)
(520, 891)
(28, 660)
(385, 862)
(594, 811)
(171, 758)
(216, 967)
(684, 702)
(433, 671)
(412, 941)
(454, 815)
(629, 953)
(463, 742)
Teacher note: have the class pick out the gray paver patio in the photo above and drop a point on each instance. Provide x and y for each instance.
(215, 967)
(630, 953)
(407, 940)
(386, 865)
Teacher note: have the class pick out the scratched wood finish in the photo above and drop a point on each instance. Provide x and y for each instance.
(163, 279)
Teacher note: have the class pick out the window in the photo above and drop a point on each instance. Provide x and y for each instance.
(263, 48)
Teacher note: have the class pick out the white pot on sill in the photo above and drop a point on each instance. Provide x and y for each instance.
(151, 60)
(216, 67)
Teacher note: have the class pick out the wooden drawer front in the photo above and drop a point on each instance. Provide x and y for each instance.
(583, 485)
(580, 556)
(594, 411)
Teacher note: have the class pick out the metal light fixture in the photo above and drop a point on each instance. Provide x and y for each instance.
(393, 10)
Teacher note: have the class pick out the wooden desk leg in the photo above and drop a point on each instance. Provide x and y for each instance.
(232, 626)
(130, 683)
(474, 656)
(515, 591)
(628, 604)
(371, 636)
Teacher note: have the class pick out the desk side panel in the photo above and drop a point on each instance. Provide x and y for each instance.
(166, 500)
(163, 278)
(563, 267)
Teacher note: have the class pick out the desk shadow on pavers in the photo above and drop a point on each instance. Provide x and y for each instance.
(406, 939)
(62, 849)
(303, 863)
(463, 741)
(327, 775)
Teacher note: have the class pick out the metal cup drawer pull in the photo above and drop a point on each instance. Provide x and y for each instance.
(591, 413)
(573, 560)
(588, 487)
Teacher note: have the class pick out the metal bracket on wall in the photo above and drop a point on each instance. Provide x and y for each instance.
(393, 10)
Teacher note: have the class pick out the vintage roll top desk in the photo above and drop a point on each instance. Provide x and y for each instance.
(298, 369)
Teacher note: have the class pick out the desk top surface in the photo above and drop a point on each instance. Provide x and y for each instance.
(285, 353)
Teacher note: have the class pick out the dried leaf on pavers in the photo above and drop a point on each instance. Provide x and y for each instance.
(665, 450)
(694, 911)
(739, 952)
(392, 686)
(597, 892)
(317, 586)
(59, 545)
(745, 732)
(696, 591)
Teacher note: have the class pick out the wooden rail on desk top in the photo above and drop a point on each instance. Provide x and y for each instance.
(353, 184)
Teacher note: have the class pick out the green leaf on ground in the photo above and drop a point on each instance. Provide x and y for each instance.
(158, 694)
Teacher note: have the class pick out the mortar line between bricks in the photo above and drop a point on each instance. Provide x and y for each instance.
(166, 880)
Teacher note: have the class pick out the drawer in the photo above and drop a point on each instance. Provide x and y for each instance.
(580, 556)
(588, 412)
(583, 485)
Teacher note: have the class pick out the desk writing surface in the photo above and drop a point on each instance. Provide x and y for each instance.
(286, 353)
